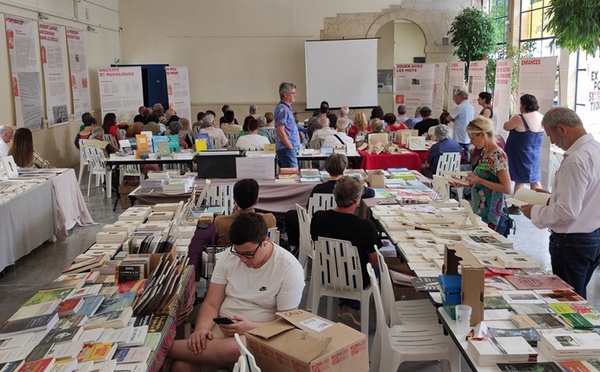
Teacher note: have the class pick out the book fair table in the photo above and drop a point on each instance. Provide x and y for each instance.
(409, 159)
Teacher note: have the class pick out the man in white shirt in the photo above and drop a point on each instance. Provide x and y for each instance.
(251, 281)
(252, 141)
(6, 135)
(319, 135)
(340, 137)
(462, 116)
(572, 213)
(209, 126)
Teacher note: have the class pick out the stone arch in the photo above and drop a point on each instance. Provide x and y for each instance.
(415, 17)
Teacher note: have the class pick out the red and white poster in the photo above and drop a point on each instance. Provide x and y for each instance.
(502, 94)
(413, 85)
(80, 88)
(476, 82)
(25, 72)
(457, 82)
(178, 88)
(439, 78)
(53, 65)
(537, 76)
(121, 90)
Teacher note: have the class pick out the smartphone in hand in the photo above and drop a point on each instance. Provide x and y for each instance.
(223, 320)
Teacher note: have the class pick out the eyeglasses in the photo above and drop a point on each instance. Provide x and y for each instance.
(248, 255)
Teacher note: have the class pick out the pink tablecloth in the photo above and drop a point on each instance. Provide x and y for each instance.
(69, 204)
(409, 160)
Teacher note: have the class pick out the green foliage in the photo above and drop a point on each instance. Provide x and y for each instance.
(474, 35)
(576, 24)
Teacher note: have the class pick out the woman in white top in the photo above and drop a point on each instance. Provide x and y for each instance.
(209, 126)
(252, 141)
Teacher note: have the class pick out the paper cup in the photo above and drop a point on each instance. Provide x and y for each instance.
(463, 318)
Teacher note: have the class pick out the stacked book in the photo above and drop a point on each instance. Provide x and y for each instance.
(310, 175)
(179, 185)
(570, 345)
(491, 350)
(111, 237)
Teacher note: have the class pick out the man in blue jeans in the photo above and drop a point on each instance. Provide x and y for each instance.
(288, 140)
(572, 213)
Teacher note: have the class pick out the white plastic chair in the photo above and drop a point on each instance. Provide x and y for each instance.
(215, 143)
(97, 163)
(447, 163)
(392, 136)
(306, 249)
(240, 366)
(221, 195)
(247, 356)
(82, 160)
(320, 202)
(273, 235)
(396, 345)
(130, 170)
(123, 133)
(110, 139)
(403, 312)
(232, 138)
(203, 193)
(336, 272)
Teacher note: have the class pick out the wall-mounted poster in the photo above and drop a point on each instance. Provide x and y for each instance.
(385, 81)
(413, 85)
(178, 90)
(25, 72)
(80, 88)
(121, 90)
(51, 50)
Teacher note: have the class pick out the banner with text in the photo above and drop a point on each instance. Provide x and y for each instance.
(476, 82)
(121, 90)
(25, 72)
(413, 85)
(537, 76)
(53, 64)
(178, 88)
(457, 82)
(502, 89)
(439, 78)
(80, 77)
(588, 107)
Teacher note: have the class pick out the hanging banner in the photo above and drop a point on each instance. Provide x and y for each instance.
(51, 50)
(413, 85)
(178, 88)
(80, 89)
(25, 72)
(476, 82)
(588, 97)
(439, 78)
(121, 90)
(502, 91)
(457, 82)
(537, 76)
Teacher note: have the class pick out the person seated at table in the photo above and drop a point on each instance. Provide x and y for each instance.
(445, 144)
(377, 133)
(360, 128)
(97, 140)
(175, 128)
(392, 124)
(252, 140)
(245, 196)
(89, 122)
(23, 153)
(341, 223)
(251, 281)
(123, 121)
(230, 126)
(262, 123)
(335, 165)
(152, 124)
(319, 135)
(209, 126)
(340, 137)
(427, 121)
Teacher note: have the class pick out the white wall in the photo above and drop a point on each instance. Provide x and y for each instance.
(102, 47)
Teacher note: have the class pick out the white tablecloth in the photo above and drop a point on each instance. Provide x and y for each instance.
(26, 222)
(70, 207)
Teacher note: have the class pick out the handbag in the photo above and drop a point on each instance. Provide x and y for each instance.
(506, 223)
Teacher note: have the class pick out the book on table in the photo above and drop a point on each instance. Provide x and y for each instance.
(571, 344)
(132, 355)
(112, 319)
(525, 196)
(528, 367)
(530, 282)
(40, 365)
(529, 334)
(491, 350)
(540, 321)
(25, 325)
(99, 352)
(591, 365)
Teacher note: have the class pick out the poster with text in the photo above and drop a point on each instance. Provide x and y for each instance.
(25, 72)
(501, 100)
(178, 88)
(439, 78)
(457, 82)
(53, 65)
(476, 82)
(80, 88)
(588, 107)
(121, 90)
(537, 76)
(413, 85)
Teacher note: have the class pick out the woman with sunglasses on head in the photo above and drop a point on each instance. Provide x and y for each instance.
(490, 179)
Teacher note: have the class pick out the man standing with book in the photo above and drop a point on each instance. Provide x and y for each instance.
(572, 212)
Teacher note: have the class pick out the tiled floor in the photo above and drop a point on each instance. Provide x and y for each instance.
(45, 263)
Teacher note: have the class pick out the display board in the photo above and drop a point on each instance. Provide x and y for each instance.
(413, 85)
(502, 88)
(476, 82)
(537, 76)
(439, 78)
(457, 82)
(80, 88)
(121, 90)
(341, 72)
(178, 90)
(53, 64)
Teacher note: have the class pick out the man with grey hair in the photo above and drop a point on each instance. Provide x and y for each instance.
(444, 144)
(341, 223)
(340, 137)
(572, 212)
(319, 135)
(411, 122)
(462, 116)
(344, 112)
(401, 117)
(6, 135)
(288, 140)
(209, 126)
(97, 140)
(253, 110)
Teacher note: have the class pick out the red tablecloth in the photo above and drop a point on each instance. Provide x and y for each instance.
(409, 160)
(422, 155)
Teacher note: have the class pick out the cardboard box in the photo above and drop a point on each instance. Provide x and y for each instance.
(302, 341)
(473, 277)
(376, 179)
(123, 195)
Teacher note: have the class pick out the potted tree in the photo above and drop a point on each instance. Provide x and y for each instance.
(575, 24)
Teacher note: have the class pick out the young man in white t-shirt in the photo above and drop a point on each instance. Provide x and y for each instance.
(252, 141)
(250, 282)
